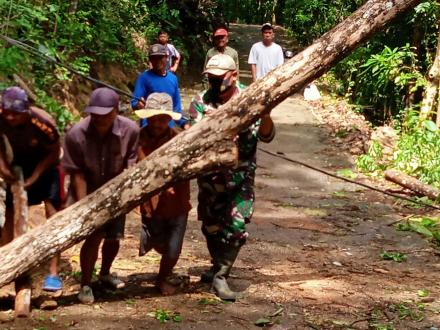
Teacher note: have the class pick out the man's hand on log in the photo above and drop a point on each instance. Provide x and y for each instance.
(141, 103)
(6, 172)
(30, 181)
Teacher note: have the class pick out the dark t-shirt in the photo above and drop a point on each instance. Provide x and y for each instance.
(31, 141)
(100, 159)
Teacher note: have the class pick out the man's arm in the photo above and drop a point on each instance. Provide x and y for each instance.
(237, 62)
(5, 159)
(175, 66)
(132, 148)
(206, 61)
(252, 60)
(51, 159)
(266, 132)
(138, 93)
(79, 185)
(176, 60)
(280, 56)
(177, 107)
(254, 72)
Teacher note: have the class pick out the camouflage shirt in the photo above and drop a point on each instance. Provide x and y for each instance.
(226, 198)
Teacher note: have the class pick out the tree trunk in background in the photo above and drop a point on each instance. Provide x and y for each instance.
(415, 97)
(274, 15)
(205, 147)
(431, 91)
(438, 109)
(73, 6)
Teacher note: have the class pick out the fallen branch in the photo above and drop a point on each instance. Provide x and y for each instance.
(412, 184)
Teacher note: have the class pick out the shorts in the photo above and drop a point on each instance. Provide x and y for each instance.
(114, 229)
(47, 187)
(164, 235)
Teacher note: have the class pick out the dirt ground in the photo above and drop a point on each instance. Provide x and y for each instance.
(312, 260)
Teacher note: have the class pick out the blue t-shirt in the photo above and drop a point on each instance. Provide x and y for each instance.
(149, 82)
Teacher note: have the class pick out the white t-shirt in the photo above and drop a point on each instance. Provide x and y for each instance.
(265, 58)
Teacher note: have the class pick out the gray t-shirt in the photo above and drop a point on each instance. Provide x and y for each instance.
(266, 58)
(228, 51)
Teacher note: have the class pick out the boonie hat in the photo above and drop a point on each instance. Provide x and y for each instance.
(102, 101)
(266, 26)
(15, 99)
(158, 104)
(221, 32)
(158, 50)
(219, 64)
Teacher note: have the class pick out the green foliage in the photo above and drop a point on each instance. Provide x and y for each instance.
(423, 293)
(385, 77)
(408, 310)
(395, 256)
(347, 173)
(310, 19)
(164, 315)
(92, 32)
(61, 114)
(418, 153)
(370, 163)
(426, 226)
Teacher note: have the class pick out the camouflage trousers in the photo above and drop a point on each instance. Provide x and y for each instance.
(225, 210)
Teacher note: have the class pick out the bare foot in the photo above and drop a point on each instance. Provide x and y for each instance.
(166, 288)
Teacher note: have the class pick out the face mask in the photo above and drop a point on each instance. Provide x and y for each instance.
(226, 83)
(215, 84)
(219, 85)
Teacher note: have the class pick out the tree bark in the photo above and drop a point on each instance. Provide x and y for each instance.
(412, 184)
(2, 203)
(73, 6)
(431, 91)
(205, 147)
(438, 108)
(20, 201)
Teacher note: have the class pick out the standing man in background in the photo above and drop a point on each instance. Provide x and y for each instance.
(265, 55)
(220, 39)
(173, 54)
(158, 80)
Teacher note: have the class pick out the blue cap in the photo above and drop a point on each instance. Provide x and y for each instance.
(15, 99)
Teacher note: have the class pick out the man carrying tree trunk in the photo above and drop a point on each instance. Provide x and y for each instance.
(96, 150)
(226, 198)
(31, 142)
(164, 215)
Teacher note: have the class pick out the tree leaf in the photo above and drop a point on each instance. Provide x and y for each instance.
(430, 125)
(261, 322)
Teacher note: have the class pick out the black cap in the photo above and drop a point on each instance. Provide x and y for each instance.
(266, 26)
(158, 50)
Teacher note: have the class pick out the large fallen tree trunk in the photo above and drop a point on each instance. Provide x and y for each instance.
(413, 184)
(204, 147)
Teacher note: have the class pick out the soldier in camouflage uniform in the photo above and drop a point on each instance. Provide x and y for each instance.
(226, 198)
